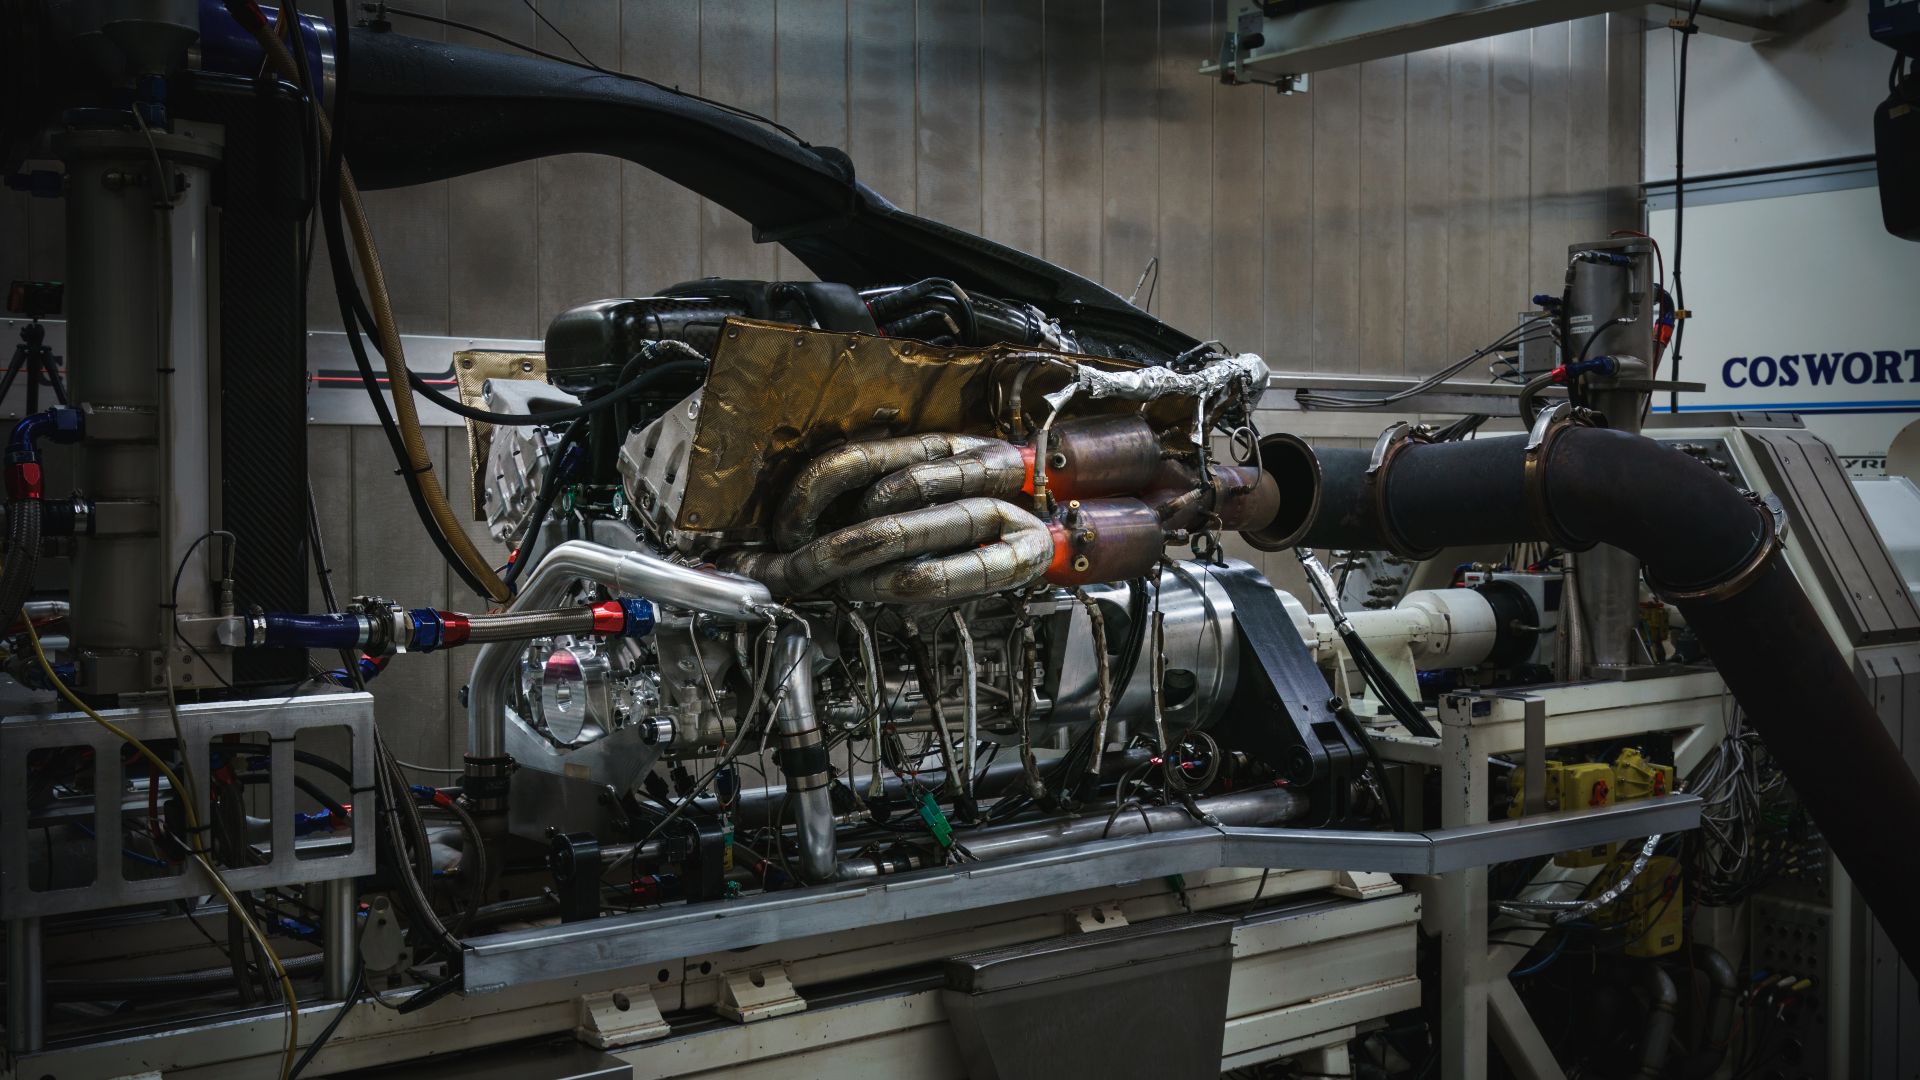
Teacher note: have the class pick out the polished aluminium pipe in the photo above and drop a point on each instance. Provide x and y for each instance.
(340, 943)
(627, 573)
(803, 755)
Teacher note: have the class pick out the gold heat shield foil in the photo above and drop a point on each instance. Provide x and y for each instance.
(777, 396)
(471, 370)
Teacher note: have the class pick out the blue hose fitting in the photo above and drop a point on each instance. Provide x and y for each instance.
(639, 615)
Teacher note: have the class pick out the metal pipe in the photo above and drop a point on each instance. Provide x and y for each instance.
(803, 756)
(26, 1005)
(628, 573)
(1705, 1060)
(1712, 552)
(972, 685)
(1664, 1003)
(338, 904)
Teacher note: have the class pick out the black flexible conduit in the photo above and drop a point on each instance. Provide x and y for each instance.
(1708, 548)
(23, 555)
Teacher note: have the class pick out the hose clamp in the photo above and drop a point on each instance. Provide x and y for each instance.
(1553, 421)
(1392, 443)
(1772, 539)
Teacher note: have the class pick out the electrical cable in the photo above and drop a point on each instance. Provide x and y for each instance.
(1519, 334)
(194, 850)
(1680, 198)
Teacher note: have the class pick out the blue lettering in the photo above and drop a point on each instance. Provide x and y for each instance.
(1790, 370)
(1726, 371)
(1866, 368)
(1762, 376)
(1913, 357)
(1820, 369)
(1887, 367)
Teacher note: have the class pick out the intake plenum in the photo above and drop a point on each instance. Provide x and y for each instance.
(1709, 550)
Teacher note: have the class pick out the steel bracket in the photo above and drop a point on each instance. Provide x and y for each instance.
(619, 1018)
(758, 994)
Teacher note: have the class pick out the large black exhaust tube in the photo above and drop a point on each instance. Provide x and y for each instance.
(1710, 551)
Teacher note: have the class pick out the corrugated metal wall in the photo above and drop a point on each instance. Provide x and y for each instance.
(1397, 215)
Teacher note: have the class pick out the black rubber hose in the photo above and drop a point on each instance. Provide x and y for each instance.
(1692, 530)
(23, 555)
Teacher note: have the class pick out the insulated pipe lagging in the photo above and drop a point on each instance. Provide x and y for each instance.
(1022, 550)
(851, 467)
(869, 558)
(1707, 547)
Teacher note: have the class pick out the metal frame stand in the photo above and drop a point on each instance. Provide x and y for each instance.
(26, 1011)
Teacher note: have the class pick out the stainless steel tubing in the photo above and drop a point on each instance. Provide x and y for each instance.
(523, 626)
(628, 573)
(340, 943)
(803, 755)
(26, 1005)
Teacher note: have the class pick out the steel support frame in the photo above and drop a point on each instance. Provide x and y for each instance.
(1324, 36)
(567, 951)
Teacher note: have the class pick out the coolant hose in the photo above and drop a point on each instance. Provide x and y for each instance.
(1711, 552)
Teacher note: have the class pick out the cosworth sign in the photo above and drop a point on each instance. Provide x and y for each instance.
(1871, 371)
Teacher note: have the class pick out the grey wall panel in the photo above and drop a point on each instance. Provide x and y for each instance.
(659, 220)
(493, 246)
(1429, 111)
(1072, 183)
(880, 86)
(1587, 150)
(1549, 110)
(1509, 183)
(737, 67)
(1469, 205)
(578, 241)
(1336, 220)
(1129, 142)
(947, 56)
(1013, 74)
(810, 83)
(1239, 201)
(1185, 115)
(1288, 231)
(1382, 276)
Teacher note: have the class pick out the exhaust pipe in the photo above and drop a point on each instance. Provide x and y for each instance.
(1709, 550)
